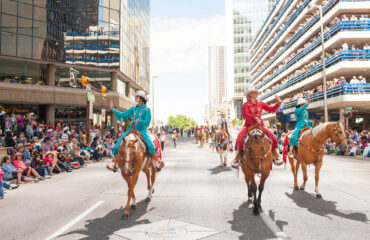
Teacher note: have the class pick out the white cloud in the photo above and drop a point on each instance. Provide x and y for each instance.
(179, 47)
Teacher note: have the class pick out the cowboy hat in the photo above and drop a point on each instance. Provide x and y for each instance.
(251, 88)
(18, 154)
(20, 145)
(301, 101)
(142, 94)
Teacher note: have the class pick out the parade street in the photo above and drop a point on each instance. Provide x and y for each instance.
(193, 199)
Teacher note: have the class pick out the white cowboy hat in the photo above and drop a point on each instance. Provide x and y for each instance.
(141, 94)
(2, 113)
(251, 88)
(301, 101)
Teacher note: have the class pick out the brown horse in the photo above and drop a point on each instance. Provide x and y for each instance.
(133, 158)
(257, 158)
(202, 138)
(196, 135)
(222, 144)
(311, 150)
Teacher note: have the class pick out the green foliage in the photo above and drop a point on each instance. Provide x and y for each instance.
(237, 122)
(181, 122)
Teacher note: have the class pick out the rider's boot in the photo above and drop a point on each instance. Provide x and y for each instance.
(112, 166)
(236, 163)
(157, 163)
(277, 160)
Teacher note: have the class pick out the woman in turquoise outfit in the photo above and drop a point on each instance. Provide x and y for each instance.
(141, 117)
(301, 115)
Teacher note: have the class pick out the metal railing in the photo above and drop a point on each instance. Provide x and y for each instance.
(345, 55)
(286, 25)
(294, 39)
(344, 89)
(93, 33)
(338, 27)
(97, 60)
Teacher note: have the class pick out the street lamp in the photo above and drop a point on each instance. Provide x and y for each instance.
(312, 6)
(154, 77)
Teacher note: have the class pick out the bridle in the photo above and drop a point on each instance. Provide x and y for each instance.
(265, 153)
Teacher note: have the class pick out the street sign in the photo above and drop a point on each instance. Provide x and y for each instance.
(349, 108)
(103, 115)
(90, 97)
(91, 110)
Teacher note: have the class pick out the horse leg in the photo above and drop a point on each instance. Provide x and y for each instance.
(256, 210)
(128, 179)
(305, 177)
(147, 173)
(297, 164)
(221, 154)
(225, 158)
(249, 190)
(317, 171)
(151, 190)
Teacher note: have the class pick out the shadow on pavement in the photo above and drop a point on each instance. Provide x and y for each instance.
(279, 223)
(219, 169)
(102, 228)
(252, 227)
(322, 207)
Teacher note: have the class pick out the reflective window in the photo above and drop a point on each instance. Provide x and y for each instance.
(8, 44)
(24, 10)
(9, 7)
(39, 13)
(25, 26)
(24, 48)
(9, 23)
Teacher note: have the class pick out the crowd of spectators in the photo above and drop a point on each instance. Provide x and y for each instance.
(335, 82)
(357, 144)
(313, 63)
(36, 151)
(335, 20)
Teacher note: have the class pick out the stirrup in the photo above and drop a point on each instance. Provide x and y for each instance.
(112, 167)
(159, 166)
(235, 164)
(278, 161)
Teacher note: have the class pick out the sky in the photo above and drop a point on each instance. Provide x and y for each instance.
(181, 32)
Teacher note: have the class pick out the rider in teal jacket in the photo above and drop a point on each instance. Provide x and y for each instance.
(301, 115)
(141, 117)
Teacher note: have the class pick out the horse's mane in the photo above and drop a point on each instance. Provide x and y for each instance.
(318, 129)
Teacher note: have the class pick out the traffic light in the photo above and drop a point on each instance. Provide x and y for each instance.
(85, 81)
(348, 114)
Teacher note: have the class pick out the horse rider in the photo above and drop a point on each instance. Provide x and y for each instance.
(141, 117)
(222, 123)
(252, 110)
(303, 121)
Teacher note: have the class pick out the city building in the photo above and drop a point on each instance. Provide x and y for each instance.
(286, 60)
(47, 46)
(216, 81)
(244, 18)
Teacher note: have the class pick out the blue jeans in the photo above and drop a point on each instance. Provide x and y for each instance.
(1, 190)
(174, 143)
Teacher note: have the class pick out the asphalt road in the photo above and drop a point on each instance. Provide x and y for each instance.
(194, 198)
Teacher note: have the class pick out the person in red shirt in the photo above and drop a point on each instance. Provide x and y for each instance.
(252, 111)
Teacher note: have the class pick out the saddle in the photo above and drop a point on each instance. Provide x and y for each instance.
(305, 128)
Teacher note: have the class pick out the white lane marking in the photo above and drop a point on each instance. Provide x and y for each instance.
(273, 227)
(74, 221)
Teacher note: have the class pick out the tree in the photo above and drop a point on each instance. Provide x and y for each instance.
(181, 122)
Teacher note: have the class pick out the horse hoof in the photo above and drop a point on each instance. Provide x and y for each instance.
(147, 199)
(260, 208)
(302, 188)
(124, 217)
(249, 201)
(256, 211)
(153, 191)
(133, 207)
(318, 196)
(296, 188)
(224, 164)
